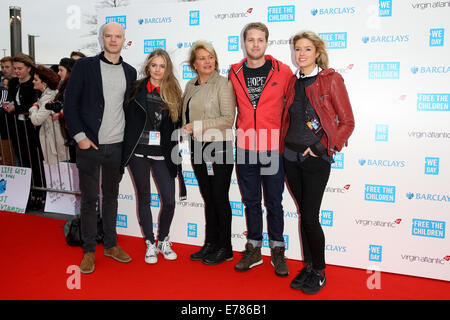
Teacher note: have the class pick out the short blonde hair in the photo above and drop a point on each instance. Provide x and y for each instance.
(322, 59)
(201, 44)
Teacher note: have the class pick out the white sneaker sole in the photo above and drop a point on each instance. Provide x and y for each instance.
(151, 260)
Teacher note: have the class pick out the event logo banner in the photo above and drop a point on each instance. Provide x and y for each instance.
(14, 188)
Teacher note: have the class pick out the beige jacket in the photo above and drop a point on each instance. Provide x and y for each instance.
(50, 130)
(212, 108)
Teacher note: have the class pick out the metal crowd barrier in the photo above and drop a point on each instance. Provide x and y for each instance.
(14, 153)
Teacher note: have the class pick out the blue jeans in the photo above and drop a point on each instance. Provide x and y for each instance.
(252, 170)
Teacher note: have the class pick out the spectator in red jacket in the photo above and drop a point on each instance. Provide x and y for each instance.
(260, 83)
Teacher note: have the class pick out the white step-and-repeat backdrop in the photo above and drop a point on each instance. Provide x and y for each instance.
(387, 203)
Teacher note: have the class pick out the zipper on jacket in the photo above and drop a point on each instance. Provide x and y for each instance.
(246, 94)
(145, 123)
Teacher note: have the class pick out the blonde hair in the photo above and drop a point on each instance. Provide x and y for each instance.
(170, 87)
(201, 44)
(322, 59)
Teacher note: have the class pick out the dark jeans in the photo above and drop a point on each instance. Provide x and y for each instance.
(252, 170)
(140, 169)
(214, 190)
(89, 162)
(307, 180)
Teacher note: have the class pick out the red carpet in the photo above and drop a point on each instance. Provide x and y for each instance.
(35, 259)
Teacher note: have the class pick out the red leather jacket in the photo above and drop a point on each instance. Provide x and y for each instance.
(329, 98)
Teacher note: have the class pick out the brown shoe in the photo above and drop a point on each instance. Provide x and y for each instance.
(87, 264)
(117, 254)
(279, 261)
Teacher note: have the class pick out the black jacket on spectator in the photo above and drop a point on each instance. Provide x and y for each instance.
(135, 117)
(27, 95)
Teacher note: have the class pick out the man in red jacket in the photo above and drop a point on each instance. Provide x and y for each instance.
(260, 84)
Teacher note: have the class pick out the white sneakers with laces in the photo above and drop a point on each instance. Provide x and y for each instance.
(151, 254)
(164, 247)
(166, 250)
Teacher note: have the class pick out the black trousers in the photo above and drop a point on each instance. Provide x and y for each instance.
(214, 190)
(307, 181)
(140, 169)
(89, 162)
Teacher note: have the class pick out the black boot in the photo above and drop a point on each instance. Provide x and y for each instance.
(204, 251)
(219, 256)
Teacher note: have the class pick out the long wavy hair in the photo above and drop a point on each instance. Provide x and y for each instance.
(322, 59)
(170, 88)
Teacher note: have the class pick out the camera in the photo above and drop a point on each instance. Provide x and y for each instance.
(54, 106)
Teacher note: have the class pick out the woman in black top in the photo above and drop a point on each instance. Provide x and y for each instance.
(151, 118)
(23, 134)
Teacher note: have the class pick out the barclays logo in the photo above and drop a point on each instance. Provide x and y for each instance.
(335, 248)
(436, 197)
(333, 11)
(393, 38)
(382, 163)
(155, 20)
(430, 70)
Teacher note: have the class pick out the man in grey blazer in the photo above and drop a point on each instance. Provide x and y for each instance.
(95, 100)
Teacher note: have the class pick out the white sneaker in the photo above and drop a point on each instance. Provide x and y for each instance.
(166, 250)
(151, 254)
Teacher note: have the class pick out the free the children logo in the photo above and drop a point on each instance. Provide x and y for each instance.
(2, 186)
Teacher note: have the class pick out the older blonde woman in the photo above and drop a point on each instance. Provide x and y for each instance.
(208, 115)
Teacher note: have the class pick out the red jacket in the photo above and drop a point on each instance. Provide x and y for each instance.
(329, 98)
(258, 129)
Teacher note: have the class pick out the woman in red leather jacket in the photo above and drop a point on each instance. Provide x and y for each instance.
(317, 122)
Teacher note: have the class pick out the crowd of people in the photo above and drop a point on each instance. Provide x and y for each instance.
(32, 126)
(287, 128)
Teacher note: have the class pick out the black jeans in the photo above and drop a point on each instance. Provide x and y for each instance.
(307, 180)
(89, 162)
(214, 190)
(140, 169)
